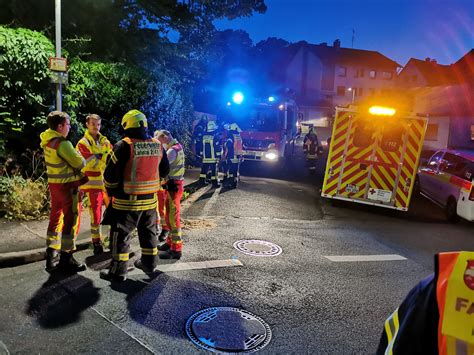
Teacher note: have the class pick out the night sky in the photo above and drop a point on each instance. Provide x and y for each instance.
(399, 29)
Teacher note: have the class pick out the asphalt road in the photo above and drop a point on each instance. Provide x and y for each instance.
(312, 305)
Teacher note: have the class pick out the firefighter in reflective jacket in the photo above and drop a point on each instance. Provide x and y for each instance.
(232, 155)
(211, 153)
(311, 148)
(94, 148)
(174, 186)
(132, 179)
(63, 167)
(437, 316)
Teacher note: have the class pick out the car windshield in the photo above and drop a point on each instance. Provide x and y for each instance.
(260, 119)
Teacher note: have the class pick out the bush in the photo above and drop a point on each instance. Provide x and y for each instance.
(23, 199)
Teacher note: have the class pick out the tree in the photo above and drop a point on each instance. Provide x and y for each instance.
(25, 91)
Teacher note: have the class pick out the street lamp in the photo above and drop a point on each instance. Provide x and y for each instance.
(353, 93)
(57, 20)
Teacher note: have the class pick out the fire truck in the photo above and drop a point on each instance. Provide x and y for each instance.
(373, 156)
(269, 127)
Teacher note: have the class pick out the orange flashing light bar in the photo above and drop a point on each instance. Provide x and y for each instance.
(382, 111)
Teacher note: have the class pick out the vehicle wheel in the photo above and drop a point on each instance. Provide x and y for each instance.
(451, 210)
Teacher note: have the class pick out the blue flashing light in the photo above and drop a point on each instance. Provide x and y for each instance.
(238, 97)
(271, 99)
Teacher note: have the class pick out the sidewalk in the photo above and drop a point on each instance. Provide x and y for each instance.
(23, 242)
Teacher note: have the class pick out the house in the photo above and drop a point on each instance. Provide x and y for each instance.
(445, 93)
(324, 76)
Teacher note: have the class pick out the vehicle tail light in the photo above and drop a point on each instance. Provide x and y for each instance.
(471, 196)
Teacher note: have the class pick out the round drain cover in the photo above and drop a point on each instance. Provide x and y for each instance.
(228, 329)
(257, 248)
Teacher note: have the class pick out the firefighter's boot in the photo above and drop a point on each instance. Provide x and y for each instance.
(170, 254)
(69, 264)
(98, 248)
(117, 272)
(145, 267)
(215, 183)
(163, 235)
(52, 259)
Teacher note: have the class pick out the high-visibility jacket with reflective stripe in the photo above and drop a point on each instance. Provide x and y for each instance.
(63, 163)
(141, 176)
(238, 145)
(212, 148)
(95, 153)
(177, 167)
(437, 315)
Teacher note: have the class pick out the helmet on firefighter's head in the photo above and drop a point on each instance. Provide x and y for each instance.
(233, 127)
(211, 126)
(134, 119)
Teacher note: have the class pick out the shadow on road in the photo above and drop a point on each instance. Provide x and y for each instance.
(166, 303)
(61, 300)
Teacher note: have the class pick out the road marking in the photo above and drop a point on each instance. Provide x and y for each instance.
(196, 265)
(151, 350)
(357, 258)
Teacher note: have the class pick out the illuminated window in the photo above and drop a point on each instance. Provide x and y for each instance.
(387, 75)
(372, 74)
(342, 71)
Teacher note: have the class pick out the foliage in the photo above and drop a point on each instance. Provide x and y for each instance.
(107, 89)
(25, 91)
(23, 199)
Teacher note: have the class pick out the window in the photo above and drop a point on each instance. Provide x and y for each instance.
(372, 74)
(363, 134)
(434, 161)
(387, 75)
(342, 71)
(455, 165)
(341, 91)
(392, 137)
(431, 132)
(359, 73)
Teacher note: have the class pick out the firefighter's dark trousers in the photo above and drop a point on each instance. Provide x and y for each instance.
(232, 170)
(206, 167)
(121, 233)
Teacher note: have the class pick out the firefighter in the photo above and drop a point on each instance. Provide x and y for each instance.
(63, 167)
(132, 178)
(94, 148)
(211, 153)
(175, 187)
(198, 132)
(437, 315)
(232, 155)
(311, 148)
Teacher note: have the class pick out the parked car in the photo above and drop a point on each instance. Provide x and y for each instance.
(447, 179)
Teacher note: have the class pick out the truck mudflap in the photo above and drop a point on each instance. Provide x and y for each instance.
(373, 159)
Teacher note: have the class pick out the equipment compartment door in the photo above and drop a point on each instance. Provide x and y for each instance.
(357, 162)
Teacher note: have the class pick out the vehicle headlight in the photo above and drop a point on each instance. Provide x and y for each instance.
(271, 146)
(271, 155)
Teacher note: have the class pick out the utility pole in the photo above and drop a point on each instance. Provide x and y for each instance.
(59, 87)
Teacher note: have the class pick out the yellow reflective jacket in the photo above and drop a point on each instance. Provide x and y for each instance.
(95, 153)
(63, 163)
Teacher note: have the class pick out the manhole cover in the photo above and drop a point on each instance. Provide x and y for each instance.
(257, 248)
(228, 329)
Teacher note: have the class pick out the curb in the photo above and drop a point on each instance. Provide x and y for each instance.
(17, 258)
(33, 255)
